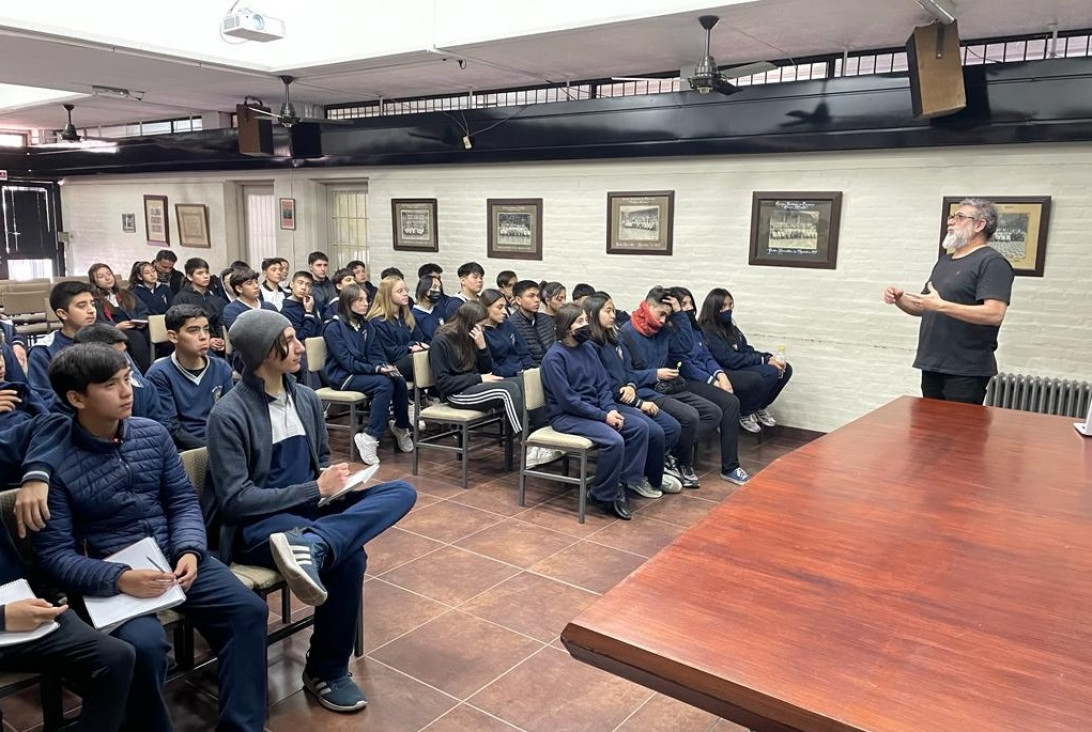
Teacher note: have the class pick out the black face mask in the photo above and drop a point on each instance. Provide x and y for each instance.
(434, 296)
(693, 318)
(582, 334)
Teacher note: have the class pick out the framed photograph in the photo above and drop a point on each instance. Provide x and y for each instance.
(157, 226)
(640, 222)
(1021, 234)
(288, 214)
(193, 225)
(128, 223)
(414, 223)
(795, 229)
(515, 228)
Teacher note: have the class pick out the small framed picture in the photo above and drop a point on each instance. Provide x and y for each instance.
(640, 222)
(128, 223)
(288, 213)
(193, 225)
(795, 229)
(157, 226)
(515, 228)
(1021, 234)
(414, 223)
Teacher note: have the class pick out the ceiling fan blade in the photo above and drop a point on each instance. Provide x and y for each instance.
(324, 121)
(644, 78)
(259, 112)
(759, 67)
(723, 86)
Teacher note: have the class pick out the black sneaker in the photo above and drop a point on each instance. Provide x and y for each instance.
(689, 477)
(299, 559)
(338, 695)
(671, 467)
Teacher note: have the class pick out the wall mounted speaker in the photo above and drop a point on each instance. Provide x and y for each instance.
(936, 71)
(255, 133)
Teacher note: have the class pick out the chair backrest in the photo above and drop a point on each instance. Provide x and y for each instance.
(422, 370)
(196, 463)
(157, 328)
(316, 352)
(23, 303)
(533, 395)
(51, 316)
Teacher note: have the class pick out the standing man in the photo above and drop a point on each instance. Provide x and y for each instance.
(322, 287)
(165, 272)
(961, 308)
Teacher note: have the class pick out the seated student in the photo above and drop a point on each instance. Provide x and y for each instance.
(552, 296)
(145, 399)
(12, 366)
(463, 369)
(471, 282)
(395, 327)
(17, 343)
(391, 272)
(581, 291)
(426, 310)
(145, 285)
(355, 362)
(300, 309)
(436, 273)
(536, 328)
(268, 469)
(75, 307)
(342, 277)
(360, 277)
(758, 377)
(198, 291)
(661, 468)
(506, 283)
(225, 280)
(18, 402)
(120, 481)
(270, 289)
(188, 382)
(244, 283)
(579, 402)
(164, 263)
(322, 286)
(118, 307)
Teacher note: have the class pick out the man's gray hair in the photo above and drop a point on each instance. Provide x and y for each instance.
(987, 212)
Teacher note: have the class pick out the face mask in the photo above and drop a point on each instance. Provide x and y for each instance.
(433, 296)
(693, 318)
(582, 334)
(726, 317)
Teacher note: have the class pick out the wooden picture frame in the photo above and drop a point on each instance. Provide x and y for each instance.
(413, 221)
(288, 214)
(193, 225)
(157, 224)
(640, 222)
(795, 229)
(1021, 234)
(514, 227)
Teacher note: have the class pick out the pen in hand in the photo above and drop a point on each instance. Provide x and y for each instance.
(160, 568)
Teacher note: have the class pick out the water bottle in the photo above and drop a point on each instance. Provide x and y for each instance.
(780, 356)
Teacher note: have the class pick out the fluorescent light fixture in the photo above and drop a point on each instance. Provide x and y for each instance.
(116, 93)
(942, 10)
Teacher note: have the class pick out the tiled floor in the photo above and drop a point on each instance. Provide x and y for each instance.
(464, 602)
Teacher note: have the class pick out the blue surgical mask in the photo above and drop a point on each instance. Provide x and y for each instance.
(726, 317)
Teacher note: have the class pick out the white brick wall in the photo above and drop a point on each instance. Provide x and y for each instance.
(850, 352)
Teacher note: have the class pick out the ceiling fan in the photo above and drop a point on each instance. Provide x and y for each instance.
(707, 77)
(69, 137)
(287, 116)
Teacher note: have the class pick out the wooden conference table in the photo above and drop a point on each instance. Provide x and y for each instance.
(926, 567)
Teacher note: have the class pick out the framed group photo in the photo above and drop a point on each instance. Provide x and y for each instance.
(193, 225)
(795, 229)
(514, 227)
(157, 226)
(1021, 234)
(414, 223)
(640, 222)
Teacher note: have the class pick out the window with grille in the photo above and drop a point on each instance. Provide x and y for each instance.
(347, 229)
(259, 224)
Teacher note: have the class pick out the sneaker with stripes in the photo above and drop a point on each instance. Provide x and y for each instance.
(299, 558)
(338, 695)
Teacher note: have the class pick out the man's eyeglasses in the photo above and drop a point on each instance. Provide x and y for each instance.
(962, 217)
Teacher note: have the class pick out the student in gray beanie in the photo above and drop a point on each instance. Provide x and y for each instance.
(271, 498)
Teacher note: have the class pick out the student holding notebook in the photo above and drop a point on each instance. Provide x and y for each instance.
(120, 481)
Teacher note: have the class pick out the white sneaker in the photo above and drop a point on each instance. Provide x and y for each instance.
(671, 484)
(750, 423)
(537, 456)
(368, 447)
(403, 436)
(765, 418)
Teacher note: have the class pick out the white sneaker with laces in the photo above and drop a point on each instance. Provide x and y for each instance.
(670, 484)
(368, 447)
(765, 418)
(402, 436)
(750, 423)
(537, 456)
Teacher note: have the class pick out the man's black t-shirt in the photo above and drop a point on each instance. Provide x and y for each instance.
(951, 346)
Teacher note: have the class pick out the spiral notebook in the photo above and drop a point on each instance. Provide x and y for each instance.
(107, 613)
(358, 481)
(15, 591)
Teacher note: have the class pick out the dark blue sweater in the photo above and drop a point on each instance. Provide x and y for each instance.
(157, 300)
(508, 349)
(236, 308)
(187, 399)
(733, 355)
(670, 345)
(38, 360)
(350, 351)
(699, 364)
(428, 322)
(575, 382)
(394, 337)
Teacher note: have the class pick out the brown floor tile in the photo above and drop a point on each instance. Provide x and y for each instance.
(516, 542)
(423, 500)
(396, 703)
(725, 726)
(531, 604)
(592, 566)
(499, 496)
(457, 653)
(560, 514)
(644, 536)
(448, 522)
(715, 489)
(465, 718)
(390, 611)
(394, 547)
(681, 510)
(450, 575)
(429, 482)
(578, 698)
(664, 714)
(286, 662)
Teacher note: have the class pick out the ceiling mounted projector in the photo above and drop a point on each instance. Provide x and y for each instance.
(251, 26)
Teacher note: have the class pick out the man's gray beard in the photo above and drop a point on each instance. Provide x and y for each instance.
(954, 242)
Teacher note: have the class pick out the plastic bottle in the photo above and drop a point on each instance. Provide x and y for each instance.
(780, 356)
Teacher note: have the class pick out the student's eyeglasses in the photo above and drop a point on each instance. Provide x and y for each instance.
(962, 217)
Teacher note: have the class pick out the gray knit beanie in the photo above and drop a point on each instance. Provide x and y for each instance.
(253, 334)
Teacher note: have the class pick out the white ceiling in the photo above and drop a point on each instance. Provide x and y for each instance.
(176, 85)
